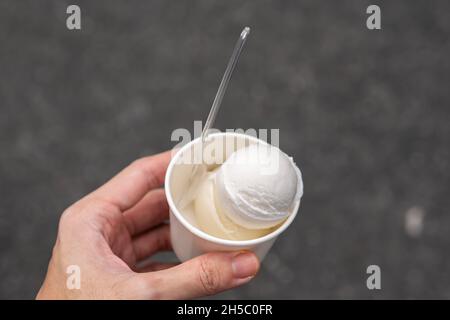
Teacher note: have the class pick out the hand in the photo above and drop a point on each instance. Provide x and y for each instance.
(109, 231)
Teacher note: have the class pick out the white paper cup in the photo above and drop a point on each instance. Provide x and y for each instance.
(189, 241)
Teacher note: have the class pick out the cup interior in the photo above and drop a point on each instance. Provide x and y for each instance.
(218, 147)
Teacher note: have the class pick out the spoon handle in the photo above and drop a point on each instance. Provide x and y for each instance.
(224, 83)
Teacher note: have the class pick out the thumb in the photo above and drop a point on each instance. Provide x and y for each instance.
(205, 275)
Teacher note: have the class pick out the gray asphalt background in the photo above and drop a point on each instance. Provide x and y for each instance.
(364, 113)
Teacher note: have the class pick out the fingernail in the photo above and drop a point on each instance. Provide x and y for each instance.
(244, 265)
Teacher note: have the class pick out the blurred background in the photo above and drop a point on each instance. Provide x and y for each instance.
(364, 113)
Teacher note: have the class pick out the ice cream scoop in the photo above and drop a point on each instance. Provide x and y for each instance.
(258, 186)
(246, 197)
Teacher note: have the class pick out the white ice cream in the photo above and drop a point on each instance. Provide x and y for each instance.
(258, 186)
(249, 195)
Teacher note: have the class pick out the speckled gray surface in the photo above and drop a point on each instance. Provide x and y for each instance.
(365, 114)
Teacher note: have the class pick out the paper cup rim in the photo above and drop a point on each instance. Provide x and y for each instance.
(201, 234)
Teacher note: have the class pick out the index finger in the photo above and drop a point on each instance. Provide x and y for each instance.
(132, 183)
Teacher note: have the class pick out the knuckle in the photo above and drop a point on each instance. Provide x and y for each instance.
(66, 219)
(99, 206)
(210, 277)
(138, 163)
(164, 241)
(83, 209)
(142, 166)
(149, 288)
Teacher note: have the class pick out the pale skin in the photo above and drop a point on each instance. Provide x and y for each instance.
(108, 232)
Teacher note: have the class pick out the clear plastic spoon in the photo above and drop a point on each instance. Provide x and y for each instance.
(214, 110)
(224, 83)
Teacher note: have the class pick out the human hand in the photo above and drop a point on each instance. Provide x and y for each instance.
(110, 230)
